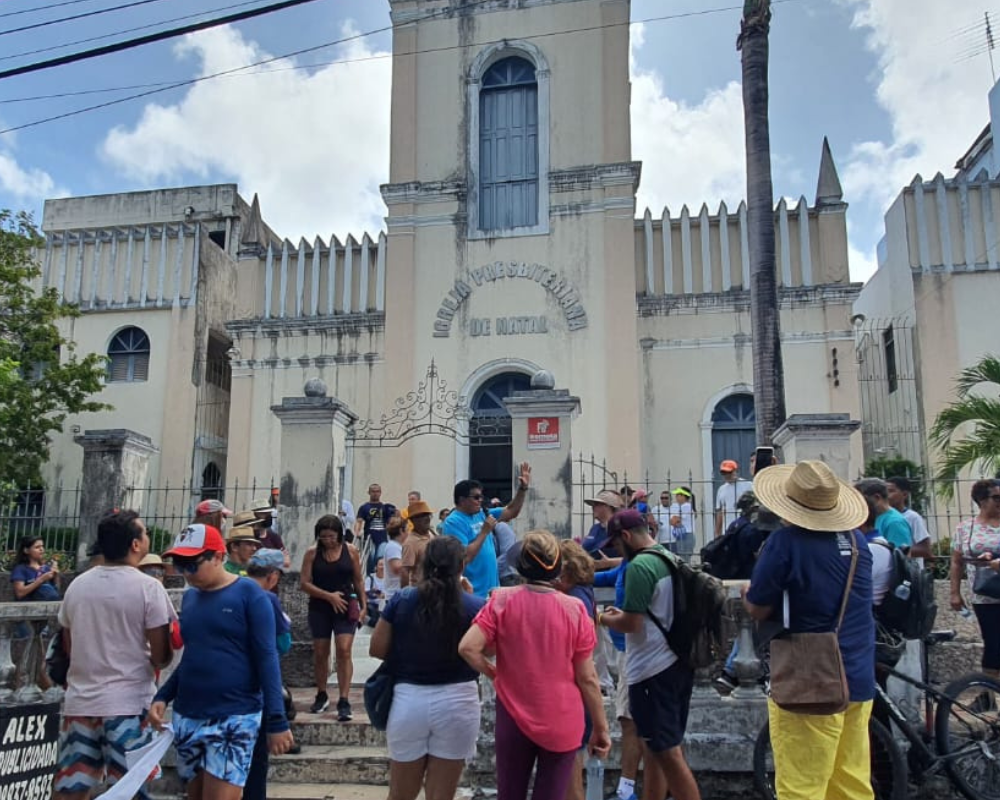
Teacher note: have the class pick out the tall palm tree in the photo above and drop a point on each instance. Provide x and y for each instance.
(978, 445)
(765, 323)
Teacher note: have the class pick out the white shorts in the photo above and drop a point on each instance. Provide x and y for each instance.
(621, 691)
(440, 721)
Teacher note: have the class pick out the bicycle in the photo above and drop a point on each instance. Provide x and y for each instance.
(959, 732)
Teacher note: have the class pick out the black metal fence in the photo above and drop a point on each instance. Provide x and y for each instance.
(590, 475)
(53, 513)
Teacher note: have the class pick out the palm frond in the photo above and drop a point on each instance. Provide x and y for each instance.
(983, 412)
(986, 370)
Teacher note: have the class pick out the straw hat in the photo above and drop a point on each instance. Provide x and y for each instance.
(150, 560)
(809, 495)
(244, 519)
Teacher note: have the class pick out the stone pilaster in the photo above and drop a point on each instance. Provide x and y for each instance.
(818, 437)
(115, 469)
(313, 453)
(542, 420)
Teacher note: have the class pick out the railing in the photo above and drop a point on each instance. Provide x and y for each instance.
(24, 633)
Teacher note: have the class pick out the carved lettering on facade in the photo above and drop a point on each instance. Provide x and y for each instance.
(557, 285)
(507, 326)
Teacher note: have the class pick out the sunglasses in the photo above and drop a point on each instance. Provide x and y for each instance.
(189, 566)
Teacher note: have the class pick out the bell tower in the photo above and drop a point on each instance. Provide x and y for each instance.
(511, 203)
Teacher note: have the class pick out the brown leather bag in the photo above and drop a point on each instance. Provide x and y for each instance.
(807, 670)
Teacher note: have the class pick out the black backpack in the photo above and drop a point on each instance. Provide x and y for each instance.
(732, 555)
(695, 635)
(913, 614)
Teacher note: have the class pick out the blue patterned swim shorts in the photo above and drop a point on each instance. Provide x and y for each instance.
(221, 747)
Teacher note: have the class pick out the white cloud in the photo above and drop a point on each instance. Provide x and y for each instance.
(677, 142)
(314, 145)
(935, 101)
(25, 186)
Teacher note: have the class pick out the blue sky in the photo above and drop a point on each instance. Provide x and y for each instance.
(883, 79)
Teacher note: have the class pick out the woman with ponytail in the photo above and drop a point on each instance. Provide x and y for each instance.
(434, 722)
(544, 674)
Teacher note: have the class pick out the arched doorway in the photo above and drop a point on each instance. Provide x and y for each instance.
(491, 451)
(734, 432)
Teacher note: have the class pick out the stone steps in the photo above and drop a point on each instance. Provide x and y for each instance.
(325, 791)
(332, 764)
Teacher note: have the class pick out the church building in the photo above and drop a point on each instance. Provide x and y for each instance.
(512, 244)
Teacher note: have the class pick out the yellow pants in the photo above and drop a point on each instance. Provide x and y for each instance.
(822, 757)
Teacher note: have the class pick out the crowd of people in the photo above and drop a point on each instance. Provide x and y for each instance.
(468, 597)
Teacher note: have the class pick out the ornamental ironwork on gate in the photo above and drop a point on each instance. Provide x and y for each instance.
(431, 409)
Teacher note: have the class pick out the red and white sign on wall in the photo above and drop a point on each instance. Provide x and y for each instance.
(543, 433)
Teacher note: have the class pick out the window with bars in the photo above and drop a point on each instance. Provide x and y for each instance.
(508, 146)
(891, 373)
(128, 356)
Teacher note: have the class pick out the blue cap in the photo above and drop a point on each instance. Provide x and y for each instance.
(268, 558)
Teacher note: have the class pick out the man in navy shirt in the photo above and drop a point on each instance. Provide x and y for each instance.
(228, 683)
(809, 562)
(374, 518)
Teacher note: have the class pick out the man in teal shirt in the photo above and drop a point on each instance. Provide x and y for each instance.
(889, 523)
(473, 527)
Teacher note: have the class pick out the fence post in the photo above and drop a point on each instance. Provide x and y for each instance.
(114, 461)
(313, 445)
(541, 418)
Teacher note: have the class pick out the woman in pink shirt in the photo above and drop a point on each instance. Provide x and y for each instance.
(543, 640)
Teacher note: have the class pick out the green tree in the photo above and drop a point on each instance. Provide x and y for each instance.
(41, 379)
(765, 322)
(979, 416)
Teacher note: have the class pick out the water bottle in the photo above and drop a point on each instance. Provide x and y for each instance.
(595, 778)
(903, 591)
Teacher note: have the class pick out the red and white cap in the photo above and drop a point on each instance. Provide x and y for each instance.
(206, 507)
(197, 539)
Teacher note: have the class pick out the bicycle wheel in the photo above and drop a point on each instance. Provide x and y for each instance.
(967, 729)
(889, 776)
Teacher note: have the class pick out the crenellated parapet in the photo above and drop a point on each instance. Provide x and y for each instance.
(319, 279)
(708, 252)
(132, 267)
(952, 224)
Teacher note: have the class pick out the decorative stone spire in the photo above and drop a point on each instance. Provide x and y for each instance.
(828, 189)
(254, 236)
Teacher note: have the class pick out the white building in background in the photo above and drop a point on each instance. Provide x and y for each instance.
(930, 309)
(512, 244)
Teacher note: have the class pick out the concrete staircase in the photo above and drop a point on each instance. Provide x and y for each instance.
(341, 760)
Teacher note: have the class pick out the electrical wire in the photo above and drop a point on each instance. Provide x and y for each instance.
(128, 30)
(84, 15)
(158, 88)
(153, 37)
(43, 8)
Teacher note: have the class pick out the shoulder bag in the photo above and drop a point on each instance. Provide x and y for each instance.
(807, 670)
(378, 696)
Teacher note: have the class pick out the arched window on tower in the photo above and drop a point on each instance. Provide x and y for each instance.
(508, 146)
(128, 356)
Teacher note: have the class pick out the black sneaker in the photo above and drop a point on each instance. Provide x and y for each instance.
(295, 749)
(320, 704)
(343, 710)
(725, 684)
